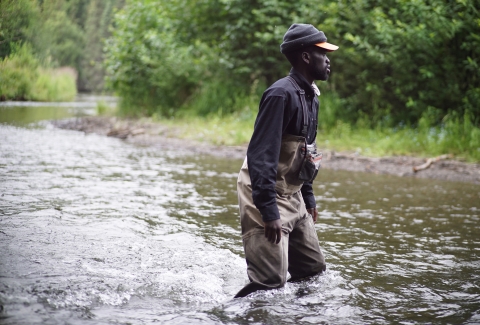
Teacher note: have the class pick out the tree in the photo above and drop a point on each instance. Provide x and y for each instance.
(18, 21)
(97, 24)
(402, 59)
(148, 64)
(399, 60)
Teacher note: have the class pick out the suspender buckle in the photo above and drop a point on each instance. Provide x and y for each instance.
(301, 93)
(305, 131)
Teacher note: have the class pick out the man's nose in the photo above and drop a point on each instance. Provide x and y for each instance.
(327, 60)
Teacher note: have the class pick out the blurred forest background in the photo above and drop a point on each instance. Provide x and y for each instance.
(39, 38)
(405, 80)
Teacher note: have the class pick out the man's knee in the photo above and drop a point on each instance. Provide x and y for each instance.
(270, 280)
(267, 263)
(268, 269)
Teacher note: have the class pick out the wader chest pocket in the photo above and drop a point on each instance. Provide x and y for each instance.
(310, 164)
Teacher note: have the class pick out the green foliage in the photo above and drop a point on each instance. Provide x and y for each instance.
(247, 33)
(22, 78)
(401, 64)
(54, 85)
(233, 129)
(167, 55)
(59, 41)
(405, 69)
(223, 97)
(18, 20)
(103, 108)
(77, 10)
(97, 20)
(331, 110)
(147, 64)
(61, 32)
(398, 58)
(457, 135)
(17, 73)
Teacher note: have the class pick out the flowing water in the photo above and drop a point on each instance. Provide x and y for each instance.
(97, 231)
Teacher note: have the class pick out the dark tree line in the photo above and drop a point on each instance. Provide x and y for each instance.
(398, 61)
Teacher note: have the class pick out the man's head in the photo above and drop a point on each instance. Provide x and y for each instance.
(306, 48)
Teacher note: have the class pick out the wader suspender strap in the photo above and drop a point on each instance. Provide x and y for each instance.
(301, 93)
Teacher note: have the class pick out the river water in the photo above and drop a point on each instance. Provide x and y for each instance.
(94, 230)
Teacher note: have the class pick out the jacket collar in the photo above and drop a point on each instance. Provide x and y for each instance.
(301, 81)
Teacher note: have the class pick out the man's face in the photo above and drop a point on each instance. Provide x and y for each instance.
(319, 64)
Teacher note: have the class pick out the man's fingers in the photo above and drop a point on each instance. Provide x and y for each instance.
(274, 238)
(273, 231)
(279, 235)
(273, 235)
(270, 234)
(314, 213)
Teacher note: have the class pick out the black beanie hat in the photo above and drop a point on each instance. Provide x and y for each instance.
(301, 35)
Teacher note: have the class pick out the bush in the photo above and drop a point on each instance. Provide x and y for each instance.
(17, 74)
(55, 85)
(22, 78)
(396, 59)
(399, 58)
(18, 21)
(148, 66)
(223, 96)
(406, 70)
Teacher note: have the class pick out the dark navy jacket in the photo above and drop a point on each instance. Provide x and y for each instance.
(280, 113)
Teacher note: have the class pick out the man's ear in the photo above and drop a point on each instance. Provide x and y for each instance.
(306, 57)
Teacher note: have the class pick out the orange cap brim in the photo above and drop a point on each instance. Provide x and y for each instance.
(327, 46)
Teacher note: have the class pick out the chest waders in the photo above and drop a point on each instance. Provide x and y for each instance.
(298, 252)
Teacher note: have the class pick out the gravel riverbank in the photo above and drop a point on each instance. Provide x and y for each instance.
(157, 135)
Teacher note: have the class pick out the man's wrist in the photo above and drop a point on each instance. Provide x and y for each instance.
(270, 213)
(310, 202)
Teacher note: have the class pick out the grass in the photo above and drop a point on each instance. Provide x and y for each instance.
(457, 136)
(106, 109)
(408, 142)
(54, 85)
(374, 143)
(229, 130)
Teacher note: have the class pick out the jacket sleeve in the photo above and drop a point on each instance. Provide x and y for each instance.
(308, 196)
(263, 154)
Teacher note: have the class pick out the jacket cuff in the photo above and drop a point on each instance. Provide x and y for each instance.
(310, 202)
(270, 213)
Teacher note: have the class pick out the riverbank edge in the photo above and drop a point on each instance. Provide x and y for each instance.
(146, 133)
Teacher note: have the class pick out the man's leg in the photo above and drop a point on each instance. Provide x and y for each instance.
(304, 255)
(267, 263)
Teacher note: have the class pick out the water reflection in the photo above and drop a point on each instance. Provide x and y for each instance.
(23, 113)
(96, 230)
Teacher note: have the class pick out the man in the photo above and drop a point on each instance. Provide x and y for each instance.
(277, 205)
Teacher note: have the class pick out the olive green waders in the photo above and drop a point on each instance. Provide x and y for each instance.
(298, 251)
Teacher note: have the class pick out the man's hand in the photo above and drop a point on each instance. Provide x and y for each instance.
(314, 213)
(273, 231)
